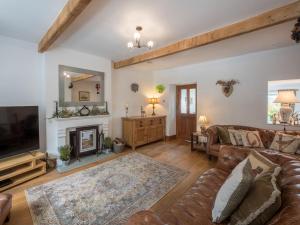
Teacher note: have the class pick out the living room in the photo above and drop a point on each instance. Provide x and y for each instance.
(140, 112)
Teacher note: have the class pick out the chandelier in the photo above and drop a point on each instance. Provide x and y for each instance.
(137, 40)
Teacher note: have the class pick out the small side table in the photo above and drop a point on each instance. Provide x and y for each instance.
(199, 141)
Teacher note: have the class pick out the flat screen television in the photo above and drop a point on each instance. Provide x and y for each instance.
(19, 130)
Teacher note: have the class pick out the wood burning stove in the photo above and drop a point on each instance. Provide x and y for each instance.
(85, 141)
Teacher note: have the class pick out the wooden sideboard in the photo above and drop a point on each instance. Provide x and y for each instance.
(143, 130)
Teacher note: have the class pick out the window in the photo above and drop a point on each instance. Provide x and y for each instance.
(273, 87)
(192, 101)
(183, 101)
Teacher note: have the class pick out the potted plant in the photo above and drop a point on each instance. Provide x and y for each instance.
(65, 154)
(107, 145)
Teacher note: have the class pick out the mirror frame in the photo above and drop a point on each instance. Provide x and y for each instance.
(61, 84)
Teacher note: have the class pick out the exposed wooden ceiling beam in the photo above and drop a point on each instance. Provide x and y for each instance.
(69, 13)
(267, 19)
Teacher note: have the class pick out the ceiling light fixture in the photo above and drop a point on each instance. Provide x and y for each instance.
(137, 40)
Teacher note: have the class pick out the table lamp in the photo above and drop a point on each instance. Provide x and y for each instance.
(203, 123)
(153, 101)
(286, 97)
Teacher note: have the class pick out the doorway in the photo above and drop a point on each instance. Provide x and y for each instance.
(186, 111)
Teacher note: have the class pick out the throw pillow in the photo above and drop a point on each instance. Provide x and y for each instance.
(260, 164)
(235, 137)
(251, 139)
(232, 191)
(261, 203)
(223, 135)
(285, 143)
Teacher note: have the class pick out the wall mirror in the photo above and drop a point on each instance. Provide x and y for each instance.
(78, 87)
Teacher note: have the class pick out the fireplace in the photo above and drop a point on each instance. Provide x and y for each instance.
(85, 141)
(59, 129)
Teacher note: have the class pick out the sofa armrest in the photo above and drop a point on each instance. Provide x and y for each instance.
(212, 138)
(230, 156)
(144, 218)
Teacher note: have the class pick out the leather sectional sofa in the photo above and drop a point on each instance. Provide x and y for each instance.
(5, 206)
(195, 206)
(213, 144)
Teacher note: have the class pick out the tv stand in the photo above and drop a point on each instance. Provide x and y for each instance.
(20, 168)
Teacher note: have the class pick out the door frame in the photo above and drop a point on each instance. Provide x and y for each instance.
(188, 86)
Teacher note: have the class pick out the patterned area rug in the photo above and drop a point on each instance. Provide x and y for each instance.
(106, 194)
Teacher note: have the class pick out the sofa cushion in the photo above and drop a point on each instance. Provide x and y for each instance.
(235, 137)
(233, 191)
(261, 203)
(260, 164)
(285, 143)
(251, 139)
(223, 135)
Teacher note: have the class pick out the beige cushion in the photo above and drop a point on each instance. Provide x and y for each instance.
(232, 191)
(260, 164)
(235, 137)
(261, 202)
(285, 143)
(251, 139)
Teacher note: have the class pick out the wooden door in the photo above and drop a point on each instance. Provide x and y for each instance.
(186, 110)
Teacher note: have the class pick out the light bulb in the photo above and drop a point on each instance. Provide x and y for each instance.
(150, 44)
(137, 36)
(130, 45)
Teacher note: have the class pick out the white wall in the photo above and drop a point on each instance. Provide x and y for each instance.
(21, 78)
(122, 94)
(59, 56)
(248, 103)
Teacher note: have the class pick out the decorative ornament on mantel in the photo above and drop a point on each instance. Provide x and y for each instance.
(137, 40)
(296, 32)
(227, 86)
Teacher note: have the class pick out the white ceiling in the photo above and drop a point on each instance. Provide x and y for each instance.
(105, 26)
(28, 19)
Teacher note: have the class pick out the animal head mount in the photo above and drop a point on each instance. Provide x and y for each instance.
(227, 86)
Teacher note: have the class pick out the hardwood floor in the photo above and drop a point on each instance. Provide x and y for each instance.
(172, 152)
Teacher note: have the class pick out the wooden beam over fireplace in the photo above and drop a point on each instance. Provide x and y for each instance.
(267, 19)
(69, 13)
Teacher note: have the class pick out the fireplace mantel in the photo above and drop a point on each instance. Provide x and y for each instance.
(80, 117)
(58, 129)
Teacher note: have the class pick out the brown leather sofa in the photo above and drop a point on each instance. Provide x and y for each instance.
(5, 206)
(195, 206)
(214, 145)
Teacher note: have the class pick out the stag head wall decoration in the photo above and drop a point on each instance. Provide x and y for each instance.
(227, 86)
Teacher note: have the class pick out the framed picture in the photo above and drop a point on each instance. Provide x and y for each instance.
(84, 96)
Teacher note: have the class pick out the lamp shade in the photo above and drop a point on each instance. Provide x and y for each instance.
(287, 96)
(203, 120)
(153, 100)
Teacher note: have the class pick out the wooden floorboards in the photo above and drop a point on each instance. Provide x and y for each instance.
(173, 152)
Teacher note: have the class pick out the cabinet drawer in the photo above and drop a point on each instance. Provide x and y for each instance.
(160, 121)
(151, 122)
(140, 123)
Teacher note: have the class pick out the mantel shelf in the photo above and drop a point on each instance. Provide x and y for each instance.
(80, 117)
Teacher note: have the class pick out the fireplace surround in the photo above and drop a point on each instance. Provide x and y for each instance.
(59, 129)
